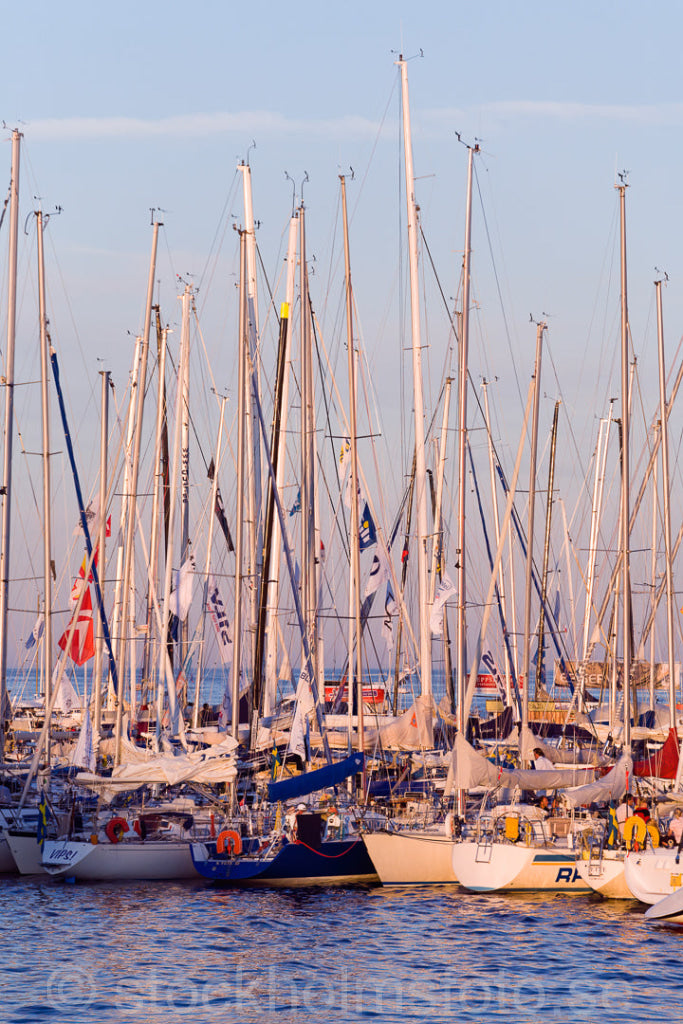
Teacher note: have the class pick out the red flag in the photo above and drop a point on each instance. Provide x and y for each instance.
(83, 640)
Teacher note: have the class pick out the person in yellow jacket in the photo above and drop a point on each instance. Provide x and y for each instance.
(640, 829)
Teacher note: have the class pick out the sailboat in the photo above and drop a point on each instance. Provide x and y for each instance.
(304, 850)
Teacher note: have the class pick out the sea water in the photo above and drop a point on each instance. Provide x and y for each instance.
(166, 952)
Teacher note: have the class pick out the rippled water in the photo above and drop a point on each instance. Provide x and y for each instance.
(173, 952)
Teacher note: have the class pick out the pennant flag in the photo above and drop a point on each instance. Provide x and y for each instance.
(367, 535)
(92, 513)
(296, 507)
(41, 831)
(181, 594)
(219, 509)
(446, 589)
(379, 572)
(84, 752)
(344, 452)
(36, 632)
(83, 639)
(219, 617)
(390, 609)
(66, 700)
(223, 520)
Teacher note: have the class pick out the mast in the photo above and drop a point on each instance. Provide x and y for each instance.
(355, 673)
(272, 569)
(308, 548)
(102, 539)
(207, 569)
(47, 499)
(425, 643)
(530, 529)
(159, 479)
(185, 463)
(667, 510)
(253, 467)
(540, 686)
(6, 491)
(496, 524)
(239, 531)
(598, 489)
(165, 662)
(132, 497)
(625, 479)
(461, 640)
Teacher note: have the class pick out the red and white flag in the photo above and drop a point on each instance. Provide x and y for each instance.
(83, 640)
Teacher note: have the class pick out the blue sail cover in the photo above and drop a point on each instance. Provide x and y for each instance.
(309, 782)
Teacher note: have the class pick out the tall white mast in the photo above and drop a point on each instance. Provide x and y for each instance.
(273, 583)
(185, 462)
(239, 513)
(255, 525)
(6, 492)
(132, 499)
(102, 539)
(47, 499)
(667, 510)
(355, 672)
(147, 660)
(461, 641)
(625, 479)
(424, 608)
(530, 529)
(496, 525)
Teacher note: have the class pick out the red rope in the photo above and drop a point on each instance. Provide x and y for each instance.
(328, 856)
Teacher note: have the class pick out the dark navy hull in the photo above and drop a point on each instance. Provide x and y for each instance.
(335, 862)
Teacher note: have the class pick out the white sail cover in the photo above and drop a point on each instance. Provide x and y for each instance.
(470, 769)
(611, 786)
(413, 730)
(211, 765)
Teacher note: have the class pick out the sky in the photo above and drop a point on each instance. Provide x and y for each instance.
(152, 105)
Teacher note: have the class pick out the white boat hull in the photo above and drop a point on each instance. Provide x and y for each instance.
(606, 876)
(25, 852)
(503, 867)
(97, 862)
(653, 874)
(668, 910)
(411, 857)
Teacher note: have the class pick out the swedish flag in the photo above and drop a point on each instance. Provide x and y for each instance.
(613, 831)
(275, 754)
(41, 832)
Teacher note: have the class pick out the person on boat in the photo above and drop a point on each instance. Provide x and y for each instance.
(544, 805)
(640, 829)
(541, 762)
(623, 812)
(675, 830)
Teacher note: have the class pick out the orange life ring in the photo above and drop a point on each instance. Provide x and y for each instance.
(115, 829)
(229, 841)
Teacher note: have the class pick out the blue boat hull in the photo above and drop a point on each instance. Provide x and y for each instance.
(335, 862)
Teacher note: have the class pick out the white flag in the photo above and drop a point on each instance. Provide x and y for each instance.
(67, 700)
(181, 595)
(219, 618)
(446, 589)
(379, 572)
(84, 753)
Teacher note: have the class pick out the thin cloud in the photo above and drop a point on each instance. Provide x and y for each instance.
(643, 113)
(346, 128)
(71, 129)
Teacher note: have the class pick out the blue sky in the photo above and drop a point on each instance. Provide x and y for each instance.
(151, 104)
